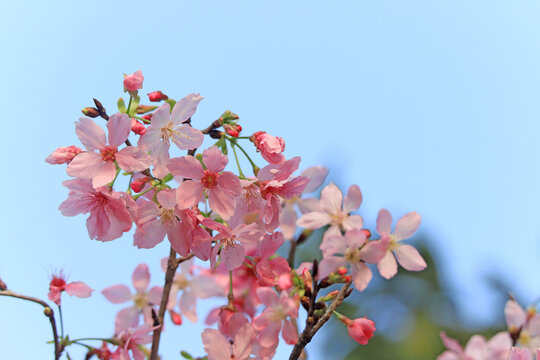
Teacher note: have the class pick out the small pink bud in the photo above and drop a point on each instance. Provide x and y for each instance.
(231, 130)
(133, 82)
(367, 233)
(361, 330)
(147, 117)
(271, 147)
(90, 112)
(342, 271)
(138, 184)
(156, 96)
(63, 154)
(137, 127)
(175, 317)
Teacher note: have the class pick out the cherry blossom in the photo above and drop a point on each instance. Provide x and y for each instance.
(218, 347)
(109, 217)
(167, 127)
(332, 212)
(58, 285)
(63, 154)
(271, 147)
(133, 82)
(100, 167)
(143, 300)
(497, 348)
(407, 256)
(525, 324)
(222, 188)
(130, 341)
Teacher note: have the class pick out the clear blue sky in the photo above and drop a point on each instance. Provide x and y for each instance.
(426, 105)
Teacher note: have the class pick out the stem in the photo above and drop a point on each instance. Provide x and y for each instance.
(312, 328)
(48, 312)
(237, 162)
(230, 295)
(61, 322)
(145, 191)
(294, 243)
(172, 265)
(143, 120)
(247, 156)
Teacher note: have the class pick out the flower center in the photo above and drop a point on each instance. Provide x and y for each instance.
(181, 281)
(108, 153)
(167, 216)
(352, 255)
(140, 301)
(209, 179)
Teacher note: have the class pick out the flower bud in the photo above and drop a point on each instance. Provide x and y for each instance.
(143, 109)
(330, 296)
(342, 270)
(90, 112)
(147, 117)
(231, 130)
(156, 96)
(367, 233)
(138, 184)
(361, 329)
(47, 311)
(270, 147)
(133, 82)
(63, 155)
(137, 127)
(175, 317)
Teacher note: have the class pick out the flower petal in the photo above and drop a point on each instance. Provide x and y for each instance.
(331, 198)
(407, 225)
(141, 278)
(410, 258)
(133, 159)
(117, 294)
(91, 134)
(387, 266)
(119, 126)
(353, 199)
(79, 289)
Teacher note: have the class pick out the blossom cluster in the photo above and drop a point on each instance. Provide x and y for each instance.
(234, 222)
(520, 341)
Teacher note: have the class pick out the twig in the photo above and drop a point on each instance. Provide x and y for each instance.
(48, 311)
(311, 329)
(294, 243)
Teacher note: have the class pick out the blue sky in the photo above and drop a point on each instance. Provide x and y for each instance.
(427, 106)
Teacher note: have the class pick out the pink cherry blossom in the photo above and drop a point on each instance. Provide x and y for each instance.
(167, 127)
(360, 329)
(58, 285)
(230, 241)
(63, 154)
(133, 82)
(130, 341)
(520, 354)
(109, 217)
(156, 96)
(407, 256)
(100, 167)
(218, 347)
(527, 324)
(277, 183)
(497, 348)
(222, 188)
(276, 317)
(354, 250)
(157, 221)
(143, 300)
(332, 212)
(271, 147)
(193, 287)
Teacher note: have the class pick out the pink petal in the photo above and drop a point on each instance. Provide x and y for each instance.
(216, 345)
(141, 278)
(514, 314)
(388, 266)
(187, 138)
(316, 175)
(476, 347)
(188, 194)
(185, 108)
(361, 275)
(91, 134)
(188, 305)
(267, 296)
(214, 160)
(373, 252)
(98, 223)
(407, 225)
(520, 354)
(167, 198)
(242, 342)
(186, 166)
(451, 344)
(353, 199)
(160, 159)
(308, 205)
(353, 222)
(179, 239)
(149, 234)
(289, 332)
(119, 126)
(85, 165)
(233, 255)
(355, 238)
(333, 244)
(410, 258)
(154, 295)
(270, 244)
(132, 159)
(221, 202)
(330, 264)
(79, 289)
(331, 198)
(126, 318)
(313, 220)
(161, 117)
(384, 222)
(117, 294)
(105, 175)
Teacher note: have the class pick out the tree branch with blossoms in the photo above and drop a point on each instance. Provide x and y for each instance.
(226, 231)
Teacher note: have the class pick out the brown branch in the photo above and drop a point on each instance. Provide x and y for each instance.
(47, 311)
(311, 326)
(294, 243)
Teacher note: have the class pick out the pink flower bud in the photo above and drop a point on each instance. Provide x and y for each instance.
(138, 184)
(342, 270)
(63, 154)
(156, 96)
(175, 317)
(137, 127)
(133, 82)
(271, 147)
(147, 117)
(361, 330)
(232, 129)
(285, 281)
(367, 233)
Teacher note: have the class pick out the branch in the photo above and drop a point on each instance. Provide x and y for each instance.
(47, 311)
(311, 329)
(294, 243)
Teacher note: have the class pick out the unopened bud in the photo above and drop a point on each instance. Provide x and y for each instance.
(342, 270)
(347, 278)
(143, 109)
(147, 117)
(156, 96)
(330, 296)
(175, 317)
(138, 184)
(48, 311)
(90, 112)
(137, 127)
(367, 233)
(231, 130)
